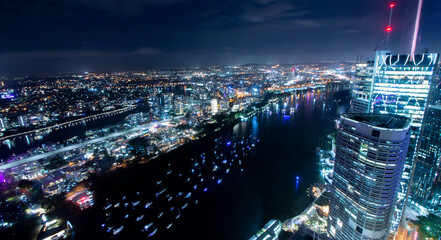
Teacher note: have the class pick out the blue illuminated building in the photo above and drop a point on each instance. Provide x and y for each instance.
(425, 191)
(400, 85)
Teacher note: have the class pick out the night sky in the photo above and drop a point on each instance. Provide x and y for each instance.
(67, 36)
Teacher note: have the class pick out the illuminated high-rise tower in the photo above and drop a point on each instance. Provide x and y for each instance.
(361, 92)
(370, 155)
(425, 185)
(214, 106)
(401, 86)
(425, 189)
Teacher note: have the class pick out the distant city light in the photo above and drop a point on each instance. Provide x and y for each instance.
(388, 29)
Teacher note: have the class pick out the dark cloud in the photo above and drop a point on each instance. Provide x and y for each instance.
(109, 35)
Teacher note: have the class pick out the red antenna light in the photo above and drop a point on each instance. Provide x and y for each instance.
(388, 29)
(392, 5)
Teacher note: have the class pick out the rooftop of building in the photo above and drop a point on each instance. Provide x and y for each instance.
(381, 120)
(421, 60)
(323, 200)
(436, 106)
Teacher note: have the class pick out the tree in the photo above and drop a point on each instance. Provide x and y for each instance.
(55, 163)
(139, 145)
(25, 184)
(429, 226)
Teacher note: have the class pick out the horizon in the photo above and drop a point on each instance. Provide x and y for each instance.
(43, 37)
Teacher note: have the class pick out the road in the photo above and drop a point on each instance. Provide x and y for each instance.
(78, 145)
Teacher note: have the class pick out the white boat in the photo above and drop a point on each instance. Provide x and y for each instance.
(179, 215)
(135, 203)
(116, 231)
(228, 170)
(179, 194)
(146, 227)
(195, 187)
(127, 215)
(188, 195)
(116, 205)
(147, 205)
(219, 181)
(160, 215)
(169, 171)
(158, 182)
(139, 218)
(170, 198)
(107, 207)
(153, 232)
(185, 205)
(169, 226)
(188, 180)
(126, 204)
(161, 192)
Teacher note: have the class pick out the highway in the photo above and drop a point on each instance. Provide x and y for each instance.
(78, 145)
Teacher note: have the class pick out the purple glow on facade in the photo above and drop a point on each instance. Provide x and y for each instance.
(2, 178)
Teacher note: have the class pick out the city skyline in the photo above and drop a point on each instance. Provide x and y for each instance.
(193, 119)
(81, 36)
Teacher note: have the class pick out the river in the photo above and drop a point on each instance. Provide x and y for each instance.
(197, 193)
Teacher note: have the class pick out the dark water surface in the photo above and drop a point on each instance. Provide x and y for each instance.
(260, 187)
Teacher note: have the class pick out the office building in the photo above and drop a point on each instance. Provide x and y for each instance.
(400, 85)
(425, 189)
(214, 106)
(4, 125)
(23, 121)
(361, 93)
(370, 154)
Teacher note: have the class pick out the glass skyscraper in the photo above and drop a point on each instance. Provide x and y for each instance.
(361, 93)
(401, 85)
(370, 155)
(425, 191)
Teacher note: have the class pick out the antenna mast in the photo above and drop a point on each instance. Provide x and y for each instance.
(389, 28)
(415, 31)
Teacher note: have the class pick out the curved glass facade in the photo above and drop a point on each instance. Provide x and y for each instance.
(370, 155)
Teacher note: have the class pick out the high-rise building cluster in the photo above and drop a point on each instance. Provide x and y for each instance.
(388, 152)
